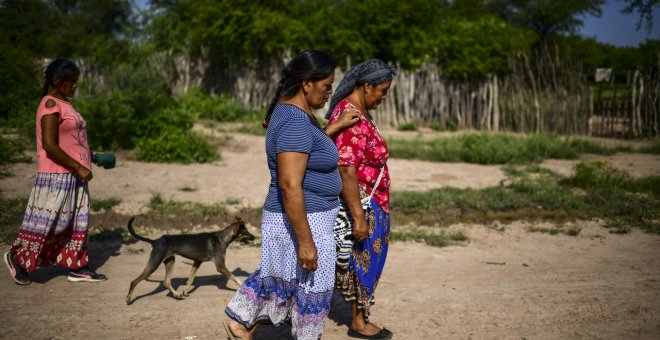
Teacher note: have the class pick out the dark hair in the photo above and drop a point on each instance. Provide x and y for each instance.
(307, 65)
(62, 68)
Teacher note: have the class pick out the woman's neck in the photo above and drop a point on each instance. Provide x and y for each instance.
(58, 95)
(358, 101)
(298, 101)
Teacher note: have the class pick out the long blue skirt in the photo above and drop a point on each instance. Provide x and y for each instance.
(358, 281)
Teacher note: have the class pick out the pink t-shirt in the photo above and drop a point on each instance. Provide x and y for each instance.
(72, 136)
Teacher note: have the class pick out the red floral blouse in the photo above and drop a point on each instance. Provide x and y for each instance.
(363, 147)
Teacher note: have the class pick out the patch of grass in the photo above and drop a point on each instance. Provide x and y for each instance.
(252, 128)
(159, 205)
(5, 173)
(102, 234)
(188, 189)
(618, 226)
(487, 148)
(545, 230)
(558, 229)
(597, 175)
(11, 216)
(573, 231)
(232, 201)
(442, 128)
(653, 149)
(407, 127)
(435, 239)
(104, 204)
(12, 150)
(536, 194)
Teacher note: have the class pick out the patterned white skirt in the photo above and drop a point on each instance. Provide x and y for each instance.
(280, 289)
(54, 228)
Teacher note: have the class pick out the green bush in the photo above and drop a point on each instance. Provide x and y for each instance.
(168, 119)
(176, 146)
(597, 175)
(219, 108)
(111, 120)
(449, 126)
(11, 150)
(407, 127)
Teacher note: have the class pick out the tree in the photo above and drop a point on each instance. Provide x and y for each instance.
(547, 17)
(645, 9)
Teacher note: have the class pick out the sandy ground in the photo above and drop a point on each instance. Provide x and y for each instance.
(506, 283)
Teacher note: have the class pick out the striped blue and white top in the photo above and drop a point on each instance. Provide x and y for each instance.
(291, 130)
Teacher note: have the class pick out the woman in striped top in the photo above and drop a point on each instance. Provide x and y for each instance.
(295, 277)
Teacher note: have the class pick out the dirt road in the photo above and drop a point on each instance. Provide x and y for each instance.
(505, 283)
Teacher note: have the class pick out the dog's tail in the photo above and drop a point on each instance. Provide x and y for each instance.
(134, 234)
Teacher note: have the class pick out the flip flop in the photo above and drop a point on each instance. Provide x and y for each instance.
(230, 335)
(384, 333)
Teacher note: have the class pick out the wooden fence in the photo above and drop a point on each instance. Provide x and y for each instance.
(630, 110)
(547, 94)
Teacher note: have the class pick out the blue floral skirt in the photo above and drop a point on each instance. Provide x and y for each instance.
(280, 289)
(358, 281)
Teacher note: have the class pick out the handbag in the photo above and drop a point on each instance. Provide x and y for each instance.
(343, 229)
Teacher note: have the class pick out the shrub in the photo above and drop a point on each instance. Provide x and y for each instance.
(11, 150)
(111, 120)
(166, 120)
(407, 127)
(177, 146)
(219, 108)
(597, 175)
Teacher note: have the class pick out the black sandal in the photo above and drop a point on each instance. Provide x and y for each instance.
(384, 333)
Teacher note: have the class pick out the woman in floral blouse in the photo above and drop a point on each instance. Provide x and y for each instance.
(363, 155)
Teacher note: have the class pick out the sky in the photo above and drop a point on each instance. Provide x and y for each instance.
(612, 27)
(618, 29)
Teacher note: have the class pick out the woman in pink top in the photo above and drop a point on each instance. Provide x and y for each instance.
(363, 156)
(54, 228)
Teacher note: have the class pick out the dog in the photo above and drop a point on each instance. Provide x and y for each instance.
(196, 247)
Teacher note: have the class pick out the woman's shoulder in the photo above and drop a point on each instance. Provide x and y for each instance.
(50, 104)
(288, 113)
(343, 105)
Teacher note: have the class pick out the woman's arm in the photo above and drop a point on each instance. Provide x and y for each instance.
(291, 171)
(351, 195)
(346, 119)
(49, 141)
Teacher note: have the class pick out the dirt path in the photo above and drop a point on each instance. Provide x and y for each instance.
(509, 284)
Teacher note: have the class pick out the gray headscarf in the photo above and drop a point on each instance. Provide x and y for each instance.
(372, 71)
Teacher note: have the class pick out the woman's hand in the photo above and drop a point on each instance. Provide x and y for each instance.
(307, 256)
(346, 119)
(84, 173)
(291, 171)
(360, 228)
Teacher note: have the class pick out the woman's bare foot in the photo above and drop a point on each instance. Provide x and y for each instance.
(239, 331)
